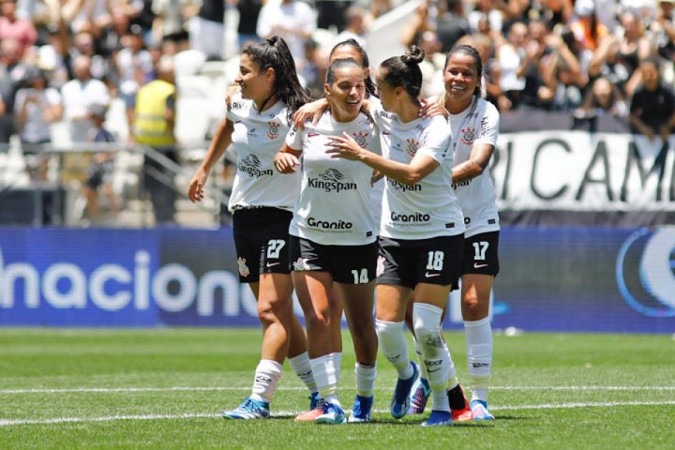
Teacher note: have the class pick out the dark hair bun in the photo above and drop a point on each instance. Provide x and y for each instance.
(414, 56)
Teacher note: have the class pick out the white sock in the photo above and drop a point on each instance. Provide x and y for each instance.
(365, 379)
(394, 347)
(420, 359)
(267, 376)
(452, 371)
(303, 369)
(479, 356)
(326, 371)
(427, 324)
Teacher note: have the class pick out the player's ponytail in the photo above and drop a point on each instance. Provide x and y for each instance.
(404, 71)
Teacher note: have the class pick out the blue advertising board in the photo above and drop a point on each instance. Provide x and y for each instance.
(592, 279)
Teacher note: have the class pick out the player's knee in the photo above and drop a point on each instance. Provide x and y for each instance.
(427, 326)
(318, 319)
(388, 332)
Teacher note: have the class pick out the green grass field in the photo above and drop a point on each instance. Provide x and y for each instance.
(165, 388)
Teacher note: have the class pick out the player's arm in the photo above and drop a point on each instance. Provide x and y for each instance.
(219, 144)
(476, 164)
(287, 159)
(409, 174)
(221, 140)
(314, 110)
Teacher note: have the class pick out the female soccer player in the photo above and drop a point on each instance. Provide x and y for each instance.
(258, 119)
(421, 232)
(475, 129)
(333, 240)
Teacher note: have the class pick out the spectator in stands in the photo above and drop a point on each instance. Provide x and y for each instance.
(154, 121)
(293, 20)
(432, 65)
(53, 53)
(12, 72)
(554, 12)
(603, 98)
(100, 171)
(123, 15)
(133, 67)
(331, 14)
(84, 44)
(607, 12)
(634, 46)
(145, 18)
(356, 25)
(207, 30)
(311, 73)
(585, 25)
(36, 108)
(508, 57)
(249, 11)
(564, 72)
(170, 24)
(645, 10)
(446, 18)
(451, 23)
(652, 107)
(487, 11)
(13, 27)
(536, 93)
(79, 94)
(662, 30)
(419, 22)
(380, 7)
(90, 16)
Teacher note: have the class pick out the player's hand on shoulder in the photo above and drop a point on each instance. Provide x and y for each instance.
(432, 108)
(309, 111)
(231, 90)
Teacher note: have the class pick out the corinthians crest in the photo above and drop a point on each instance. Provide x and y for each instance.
(413, 145)
(468, 136)
(361, 139)
(273, 130)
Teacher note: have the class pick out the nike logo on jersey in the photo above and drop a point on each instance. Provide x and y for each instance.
(479, 266)
(272, 264)
(430, 275)
(312, 134)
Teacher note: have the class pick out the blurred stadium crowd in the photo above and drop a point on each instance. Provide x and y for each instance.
(63, 63)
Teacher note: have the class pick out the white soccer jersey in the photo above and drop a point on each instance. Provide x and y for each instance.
(257, 138)
(424, 210)
(477, 124)
(334, 205)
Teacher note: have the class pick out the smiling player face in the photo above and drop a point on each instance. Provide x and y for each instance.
(461, 79)
(255, 84)
(345, 95)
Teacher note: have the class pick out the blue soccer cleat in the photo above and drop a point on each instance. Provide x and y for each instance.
(419, 396)
(332, 414)
(314, 400)
(438, 419)
(400, 401)
(361, 409)
(480, 411)
(249, 409)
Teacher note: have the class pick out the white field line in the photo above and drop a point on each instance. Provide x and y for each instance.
(59, 420)
(245, 388)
